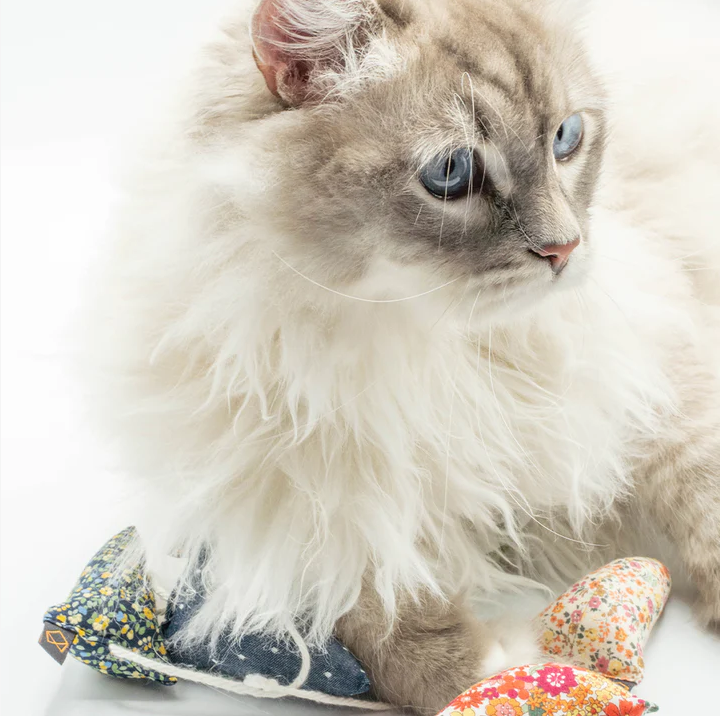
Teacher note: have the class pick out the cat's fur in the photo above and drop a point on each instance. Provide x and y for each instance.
(357, 393)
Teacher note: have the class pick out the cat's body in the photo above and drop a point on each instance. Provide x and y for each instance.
(350, 418)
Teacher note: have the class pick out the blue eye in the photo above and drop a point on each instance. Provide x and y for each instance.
(568, 137)
(449, 177)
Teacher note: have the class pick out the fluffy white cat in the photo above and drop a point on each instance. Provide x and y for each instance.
(369, 317)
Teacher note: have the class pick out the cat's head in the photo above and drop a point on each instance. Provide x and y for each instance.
(427, 141)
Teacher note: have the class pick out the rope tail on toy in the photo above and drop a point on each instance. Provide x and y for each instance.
(257, 686)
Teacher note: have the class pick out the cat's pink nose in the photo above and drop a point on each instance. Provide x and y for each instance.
(558, 254)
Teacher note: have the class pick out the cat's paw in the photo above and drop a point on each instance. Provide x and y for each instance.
(707, 612)
(707, 608)
(515, 644)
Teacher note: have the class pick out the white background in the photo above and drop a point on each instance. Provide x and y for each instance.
(76, 76)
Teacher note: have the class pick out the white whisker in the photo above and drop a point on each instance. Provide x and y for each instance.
(360, 298)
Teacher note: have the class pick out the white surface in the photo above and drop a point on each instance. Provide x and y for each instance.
(70, 73)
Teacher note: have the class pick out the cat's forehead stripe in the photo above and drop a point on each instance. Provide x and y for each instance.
(504, 59)
(472, 66)
(400, 14)
(511, 43)
(466, 63)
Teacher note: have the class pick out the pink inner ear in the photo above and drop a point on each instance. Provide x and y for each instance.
(269, 72)
(285, 75)
(266, 34)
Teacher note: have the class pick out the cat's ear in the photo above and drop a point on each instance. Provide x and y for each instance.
(300, 44)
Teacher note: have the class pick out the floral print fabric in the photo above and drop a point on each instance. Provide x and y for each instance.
(111, 604)
(602, 622)
(548, 690)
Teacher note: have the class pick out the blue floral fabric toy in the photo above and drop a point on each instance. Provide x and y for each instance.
(109, 605)
(111, 622)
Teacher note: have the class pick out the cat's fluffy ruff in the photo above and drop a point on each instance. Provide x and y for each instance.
(311, 437)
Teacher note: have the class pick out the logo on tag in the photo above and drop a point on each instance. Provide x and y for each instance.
(56, 641)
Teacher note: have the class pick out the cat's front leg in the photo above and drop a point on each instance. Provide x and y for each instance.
(432, 651)
(681, 488)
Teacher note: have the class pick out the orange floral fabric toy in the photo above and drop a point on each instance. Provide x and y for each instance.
(548, 690)
(602, 622)
(594, 634)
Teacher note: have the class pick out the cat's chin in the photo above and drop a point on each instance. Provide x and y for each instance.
(516, 300)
